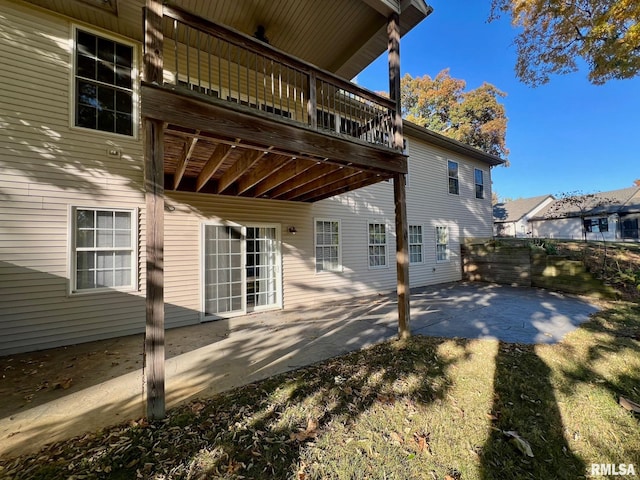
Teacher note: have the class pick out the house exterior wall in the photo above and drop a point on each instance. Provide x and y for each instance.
(572, 229)
(48, 167)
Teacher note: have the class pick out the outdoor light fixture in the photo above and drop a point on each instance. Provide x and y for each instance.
(292, 230)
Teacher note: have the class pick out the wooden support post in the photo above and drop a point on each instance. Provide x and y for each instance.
(402, 255)
(399, 179)
(312, 101)
(154, 196)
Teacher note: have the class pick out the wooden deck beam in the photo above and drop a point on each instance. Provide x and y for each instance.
(281, 176)
(219, 155)
(263, 169)
(189, 146)
(235, 171)
(332, 178)
(318, 171)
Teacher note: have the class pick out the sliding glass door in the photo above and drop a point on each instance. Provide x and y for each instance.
(241, 269)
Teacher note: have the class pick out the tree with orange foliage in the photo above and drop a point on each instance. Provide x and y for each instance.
(555, 33)
(474, 117)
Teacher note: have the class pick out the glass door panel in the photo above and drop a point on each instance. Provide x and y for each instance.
(223, 268)
(262, 267)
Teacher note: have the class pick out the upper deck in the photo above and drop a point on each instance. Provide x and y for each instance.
(237, 111)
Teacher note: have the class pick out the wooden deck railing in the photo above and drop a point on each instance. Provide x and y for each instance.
(218, 62)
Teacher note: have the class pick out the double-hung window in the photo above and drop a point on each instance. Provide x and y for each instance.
(479, 179)
(103, 248)
(415, 243)
(377, 242)
(442, 244)
(104, 82)
(327, 234)
(454, 185)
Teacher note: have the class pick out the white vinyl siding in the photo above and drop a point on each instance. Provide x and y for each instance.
(327, 245)
(104, 249)
(47, 165)
(415, 244)
(442, 244)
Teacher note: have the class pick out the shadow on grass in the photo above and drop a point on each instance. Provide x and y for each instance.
(256, 431)
(525, 403)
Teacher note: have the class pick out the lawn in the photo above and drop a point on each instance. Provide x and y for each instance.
(428, 408)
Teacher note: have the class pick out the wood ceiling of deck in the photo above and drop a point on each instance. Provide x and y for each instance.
(196, 161)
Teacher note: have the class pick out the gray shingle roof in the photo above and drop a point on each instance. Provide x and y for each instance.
(516, 209)
(624, 200)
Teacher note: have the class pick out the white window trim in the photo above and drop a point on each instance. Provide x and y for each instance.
(340, 268)
(448, 250)
(475, 185)
(421, 243)
(135, 76)
(405, 151)
(448, 177)
(72, 258)
(386, 245)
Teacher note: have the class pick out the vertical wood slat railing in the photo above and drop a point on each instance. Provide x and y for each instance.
(215, 61)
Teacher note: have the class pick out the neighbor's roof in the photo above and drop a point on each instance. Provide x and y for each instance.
(516, 209)
(624, 200)
(440, 140)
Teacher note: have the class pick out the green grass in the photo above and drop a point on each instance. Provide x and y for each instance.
(429, 408)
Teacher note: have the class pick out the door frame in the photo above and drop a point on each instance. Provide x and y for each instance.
(243, 265)
(278, 229)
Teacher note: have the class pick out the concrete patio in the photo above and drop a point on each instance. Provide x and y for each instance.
(60, 393)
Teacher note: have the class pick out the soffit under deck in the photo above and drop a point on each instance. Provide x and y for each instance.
(197, 161)
(340, 36)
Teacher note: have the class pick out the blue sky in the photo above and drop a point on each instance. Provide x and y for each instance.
(567, 135)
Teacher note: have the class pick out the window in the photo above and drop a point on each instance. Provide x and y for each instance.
(442, 244)
(103, 84)
(103, 249)
(454, 186)
(415, 243)
(479, 179)
(596, 225)
(328, 246)
(377, 245)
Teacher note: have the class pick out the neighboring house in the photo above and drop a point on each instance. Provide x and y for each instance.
(610, 216)
(511, 219)
(239, 176)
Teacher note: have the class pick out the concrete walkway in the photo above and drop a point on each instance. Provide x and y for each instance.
(60, 393)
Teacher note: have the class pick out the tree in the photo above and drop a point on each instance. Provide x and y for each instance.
(555, 33)
(440, 104)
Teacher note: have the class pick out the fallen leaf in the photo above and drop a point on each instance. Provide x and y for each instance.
(63, 384)
(395, 436)
(310, 432)
(629, 405)
(422, 442)
(520, 442)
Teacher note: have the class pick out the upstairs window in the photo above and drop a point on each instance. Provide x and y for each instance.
(479, 179)
(454, 186)
(103, 84)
